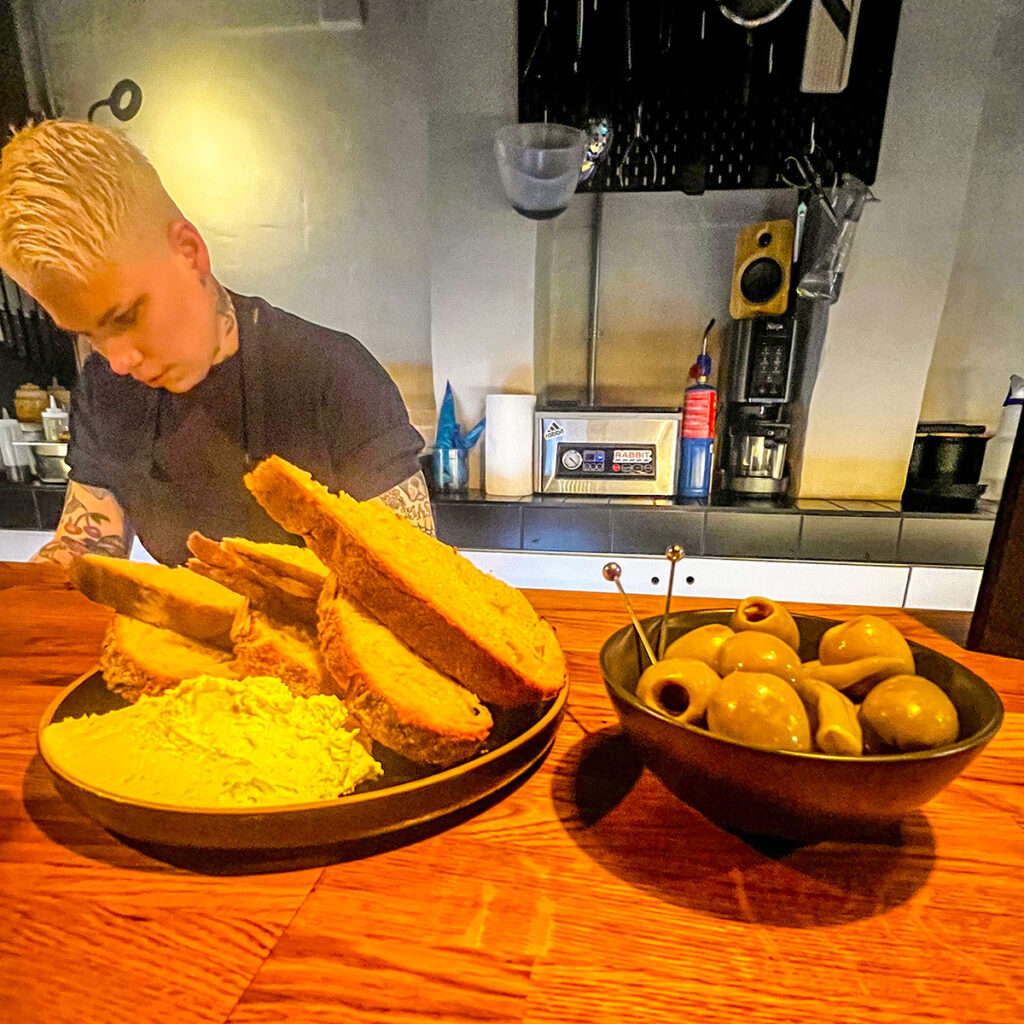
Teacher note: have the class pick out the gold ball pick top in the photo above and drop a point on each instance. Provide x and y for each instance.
(674, 553)
(611, 572)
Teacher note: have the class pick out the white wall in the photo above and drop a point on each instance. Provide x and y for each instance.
(481, 251)
(981, 333)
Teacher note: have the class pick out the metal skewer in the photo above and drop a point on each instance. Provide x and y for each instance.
(611, 572)
(673, 554)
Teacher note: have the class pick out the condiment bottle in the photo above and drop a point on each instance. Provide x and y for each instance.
(16, 459)
(62, 394)
(29, 402)
(55, 422)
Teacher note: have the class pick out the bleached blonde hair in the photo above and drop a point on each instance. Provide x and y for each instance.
(70, 193)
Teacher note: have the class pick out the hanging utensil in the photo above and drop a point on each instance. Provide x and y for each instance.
(828, 51)
(648, 158)
(751, 14)
(17, 332)
(629, 42)
(801, 172)
(579, 36)
(611, 572)
(536, 45)
(31, 354)
(6, 327)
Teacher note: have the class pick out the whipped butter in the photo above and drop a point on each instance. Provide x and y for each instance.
(216, 743)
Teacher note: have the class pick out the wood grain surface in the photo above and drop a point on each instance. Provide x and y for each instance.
(587, 893)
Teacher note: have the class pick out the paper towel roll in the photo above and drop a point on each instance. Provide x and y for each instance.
(508, 445)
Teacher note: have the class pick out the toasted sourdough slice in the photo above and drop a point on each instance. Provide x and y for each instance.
(217, 562)
(138, 658)
(293, 568)
(466, 623)
(176, 599)
(263, 648)
(398, 699)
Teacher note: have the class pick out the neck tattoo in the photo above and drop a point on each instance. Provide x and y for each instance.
(227, 321)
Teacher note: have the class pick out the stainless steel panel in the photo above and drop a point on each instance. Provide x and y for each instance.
(660, 428)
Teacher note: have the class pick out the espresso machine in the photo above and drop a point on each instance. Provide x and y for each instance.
(760, 375)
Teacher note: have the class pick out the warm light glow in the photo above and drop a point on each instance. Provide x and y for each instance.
(229, 153)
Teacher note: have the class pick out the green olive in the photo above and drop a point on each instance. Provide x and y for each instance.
(677, 687)
(702, 643)
(760, 709)
(762, 615)
(909, 713)
(866, 636)
(758, 652)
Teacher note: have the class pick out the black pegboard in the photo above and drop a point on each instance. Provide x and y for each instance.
(683, 67)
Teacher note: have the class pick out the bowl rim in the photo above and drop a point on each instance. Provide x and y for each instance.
(975, 740)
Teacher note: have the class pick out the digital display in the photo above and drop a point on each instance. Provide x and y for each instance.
(593, 456)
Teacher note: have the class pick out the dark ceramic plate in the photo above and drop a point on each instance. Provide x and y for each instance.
(406, 796)
(784, 793)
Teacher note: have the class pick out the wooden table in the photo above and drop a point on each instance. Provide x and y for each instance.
(587, 894)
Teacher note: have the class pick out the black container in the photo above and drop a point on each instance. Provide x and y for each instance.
(944, 468)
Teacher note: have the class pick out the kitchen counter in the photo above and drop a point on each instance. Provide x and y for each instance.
(810, 530)
(588, 893)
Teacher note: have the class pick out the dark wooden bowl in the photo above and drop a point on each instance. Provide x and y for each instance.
(787, 794)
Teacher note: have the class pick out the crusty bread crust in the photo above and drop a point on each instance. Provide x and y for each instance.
(174, 599)
(263, 648)
(138, 658)
(398, 699)
(466, 623)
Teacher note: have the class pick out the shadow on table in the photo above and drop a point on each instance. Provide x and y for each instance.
(72, 829)
(624, 818)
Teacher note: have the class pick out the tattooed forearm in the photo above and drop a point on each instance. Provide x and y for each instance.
(91, 523)
(64, 550)
(411, 500)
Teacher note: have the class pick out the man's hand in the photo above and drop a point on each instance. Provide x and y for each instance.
(92, 523)
(411, 500)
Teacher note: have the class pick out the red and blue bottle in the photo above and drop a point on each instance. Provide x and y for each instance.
(698, 433)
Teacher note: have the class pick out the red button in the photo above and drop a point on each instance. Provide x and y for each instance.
(615, 467)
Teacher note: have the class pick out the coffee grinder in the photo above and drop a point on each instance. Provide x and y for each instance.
(760, 364)
(756, 435)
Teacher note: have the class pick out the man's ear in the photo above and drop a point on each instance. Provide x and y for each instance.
(185, 240)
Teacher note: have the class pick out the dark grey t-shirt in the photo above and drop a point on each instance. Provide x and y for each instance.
(175, 463)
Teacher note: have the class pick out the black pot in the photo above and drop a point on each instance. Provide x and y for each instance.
(944, 468)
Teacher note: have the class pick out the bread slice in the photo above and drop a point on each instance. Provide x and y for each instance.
(469, 625)
(138, 658)
(293, 568)
(398, 699)
(263, 648)
(265, 597)
(175, 599)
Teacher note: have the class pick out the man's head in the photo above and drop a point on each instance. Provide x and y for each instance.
(88, 230)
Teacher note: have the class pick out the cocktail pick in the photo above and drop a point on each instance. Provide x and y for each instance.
(673, 553)
(611, 572)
